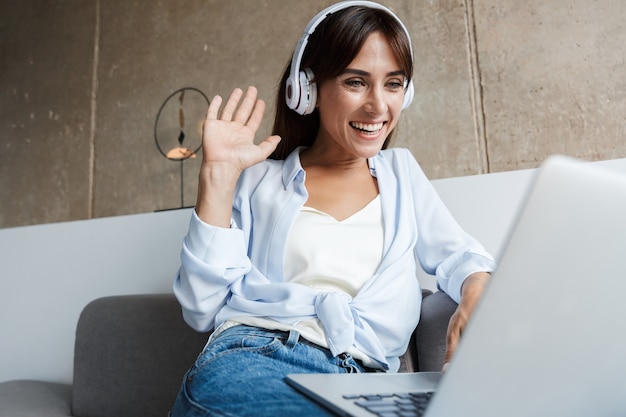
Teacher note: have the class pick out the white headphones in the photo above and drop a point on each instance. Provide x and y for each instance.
(301, 92)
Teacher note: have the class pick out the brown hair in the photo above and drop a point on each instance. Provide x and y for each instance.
(331, 48)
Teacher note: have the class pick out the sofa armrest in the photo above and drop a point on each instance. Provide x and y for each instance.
(408, 361)
(131, 354)
(430, 335)
(35, 399)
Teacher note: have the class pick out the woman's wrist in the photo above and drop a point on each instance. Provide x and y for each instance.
(473, 288)
(216, 187)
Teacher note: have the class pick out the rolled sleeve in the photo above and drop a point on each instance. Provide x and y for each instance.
(455, 269)
(212, 259)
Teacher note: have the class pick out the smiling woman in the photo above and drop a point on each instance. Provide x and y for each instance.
(306, 261)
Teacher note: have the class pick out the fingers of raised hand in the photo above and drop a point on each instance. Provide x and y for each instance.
(254, 122)
(269, 145)
(249, 112)
(214, 108)
(247, 107)
(231, 105)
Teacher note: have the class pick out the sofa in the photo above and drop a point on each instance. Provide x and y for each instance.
(131, 352)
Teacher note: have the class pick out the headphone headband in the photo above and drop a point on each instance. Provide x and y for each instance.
(303, 102)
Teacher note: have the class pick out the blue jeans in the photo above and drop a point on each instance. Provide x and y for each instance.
(242, 373)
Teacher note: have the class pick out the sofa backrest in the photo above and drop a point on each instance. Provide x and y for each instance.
(141, 253)
(131, 354)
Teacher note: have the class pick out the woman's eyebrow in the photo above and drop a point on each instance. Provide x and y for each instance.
(365, 73)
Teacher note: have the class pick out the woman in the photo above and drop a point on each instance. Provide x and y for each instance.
(306, 262)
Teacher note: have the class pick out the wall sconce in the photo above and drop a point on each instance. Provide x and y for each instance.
(178, 128)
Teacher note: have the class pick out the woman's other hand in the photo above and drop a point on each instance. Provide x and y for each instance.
(471, 292)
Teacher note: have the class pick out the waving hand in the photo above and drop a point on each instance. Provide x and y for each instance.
(228, 148)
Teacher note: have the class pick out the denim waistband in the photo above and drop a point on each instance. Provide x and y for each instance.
(290, 338)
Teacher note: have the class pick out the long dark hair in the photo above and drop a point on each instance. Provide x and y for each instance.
(331, 48)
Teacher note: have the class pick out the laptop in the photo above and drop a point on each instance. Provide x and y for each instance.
(549, 335)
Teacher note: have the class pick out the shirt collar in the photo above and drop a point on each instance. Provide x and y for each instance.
(371, 162)
(292, 167)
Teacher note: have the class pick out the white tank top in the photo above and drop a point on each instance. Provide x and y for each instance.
(329, 255)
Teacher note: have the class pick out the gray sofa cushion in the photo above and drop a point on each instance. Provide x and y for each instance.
(34, 399)
(430, 335)
(130, 356)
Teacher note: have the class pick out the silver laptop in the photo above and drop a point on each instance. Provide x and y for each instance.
(549, 336)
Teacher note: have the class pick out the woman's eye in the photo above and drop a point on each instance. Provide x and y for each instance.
(354, 83)
(395, 85)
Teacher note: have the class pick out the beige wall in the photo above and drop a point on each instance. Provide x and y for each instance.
(500, 84)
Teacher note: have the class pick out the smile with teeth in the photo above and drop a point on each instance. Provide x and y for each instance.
(368, 128)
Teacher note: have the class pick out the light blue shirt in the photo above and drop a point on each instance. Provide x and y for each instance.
(231, 273)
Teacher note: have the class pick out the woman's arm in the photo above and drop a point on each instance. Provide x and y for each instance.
(213, 255)
(459, 262)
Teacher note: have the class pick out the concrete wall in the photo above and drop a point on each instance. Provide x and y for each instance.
(500, 84)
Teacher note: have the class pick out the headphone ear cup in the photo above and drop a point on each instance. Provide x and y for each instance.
(308, 93)
(292, 93)
(408, 95)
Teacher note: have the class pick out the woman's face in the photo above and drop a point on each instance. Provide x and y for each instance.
(361, 106)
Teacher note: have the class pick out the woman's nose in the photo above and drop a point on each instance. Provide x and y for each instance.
(376, 102)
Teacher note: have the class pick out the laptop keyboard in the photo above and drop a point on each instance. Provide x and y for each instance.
(388, 405)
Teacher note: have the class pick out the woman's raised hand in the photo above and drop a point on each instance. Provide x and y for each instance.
(227, 149)
(228, 137)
